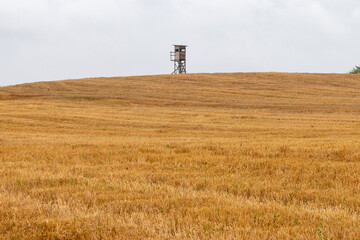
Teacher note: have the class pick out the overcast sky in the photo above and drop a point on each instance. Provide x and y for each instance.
(44, 40)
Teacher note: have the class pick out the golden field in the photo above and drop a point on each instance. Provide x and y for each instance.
(196, 156)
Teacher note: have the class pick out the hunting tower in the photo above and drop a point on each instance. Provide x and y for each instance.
(179, 59)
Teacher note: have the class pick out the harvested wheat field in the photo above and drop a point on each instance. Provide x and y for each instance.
(196, 156)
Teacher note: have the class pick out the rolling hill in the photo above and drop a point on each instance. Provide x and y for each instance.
(194, 156)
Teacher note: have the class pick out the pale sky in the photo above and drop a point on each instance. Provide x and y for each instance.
(43, 40)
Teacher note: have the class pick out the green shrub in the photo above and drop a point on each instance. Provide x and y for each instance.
(355, 70)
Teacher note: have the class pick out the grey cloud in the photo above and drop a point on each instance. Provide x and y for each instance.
(60, 39)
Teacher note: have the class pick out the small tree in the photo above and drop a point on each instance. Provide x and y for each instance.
(355, 70)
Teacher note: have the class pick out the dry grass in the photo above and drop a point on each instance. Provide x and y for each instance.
(206, 156)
